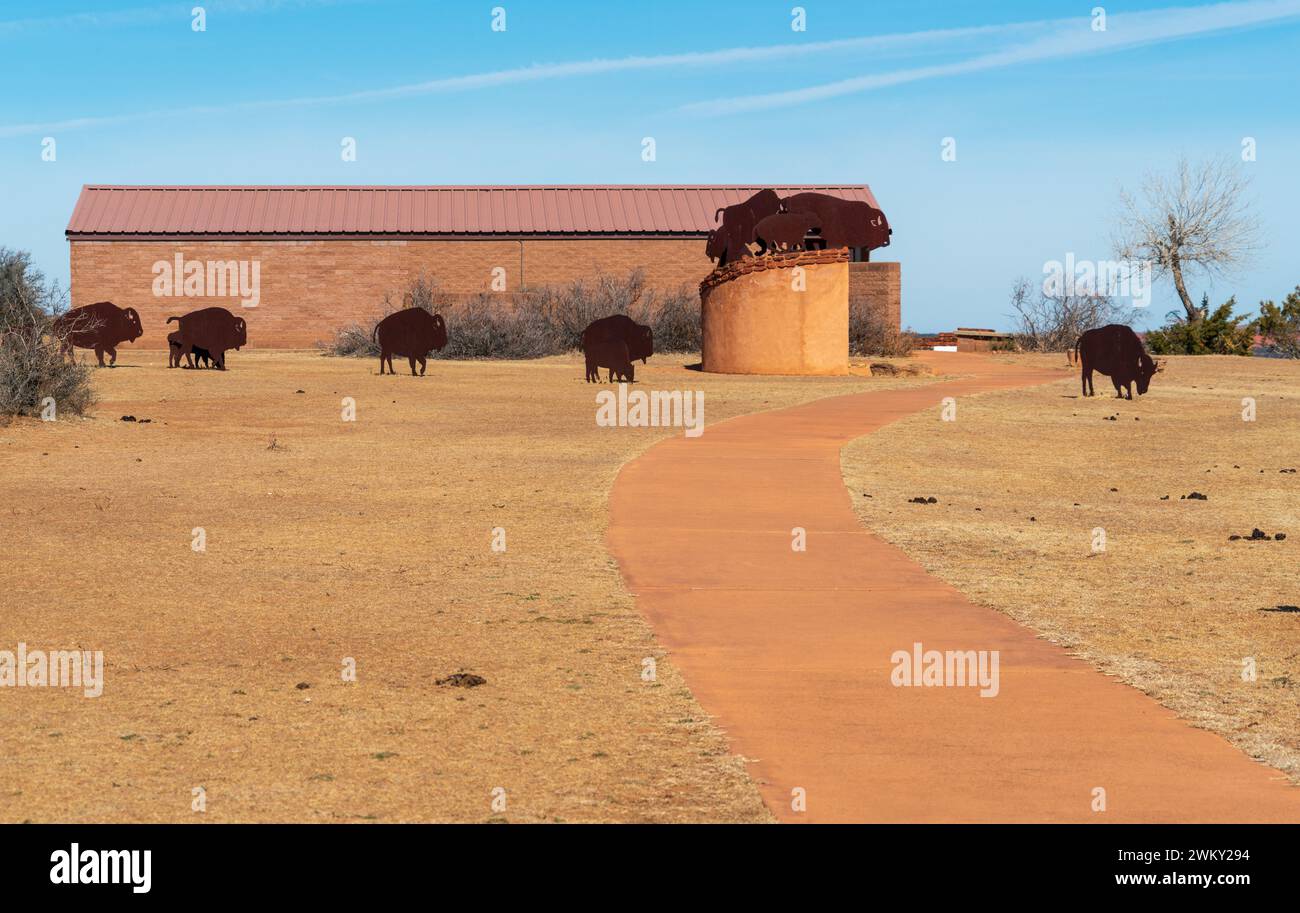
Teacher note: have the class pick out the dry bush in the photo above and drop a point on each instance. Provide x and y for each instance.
(1054, 323)
(489, 325)
(533, 324)
(872, 334)
(31, 366)
(569, 309)
(32, 370)
(352, 341)
(675, 317)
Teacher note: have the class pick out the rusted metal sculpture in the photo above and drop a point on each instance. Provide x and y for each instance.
(1117, 351)
(639, 338)
(177, 349)
(731, 240)
(801, 221)
(614, 342)
(611, 354)
(101, 326)
(413, 333)
(785, 231)
(844, 223)
(214, 329)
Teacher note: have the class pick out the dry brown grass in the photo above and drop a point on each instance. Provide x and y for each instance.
(1172, 607)
(368, 540)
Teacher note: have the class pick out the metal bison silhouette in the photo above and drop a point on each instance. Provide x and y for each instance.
(614, 342)
(797, 222)
(784, 231)
(731, 241)
(611, 354)
(176, 351)
(843, 223)
(101, 326)
(214, 329)
(412, 333)
(1114, 350)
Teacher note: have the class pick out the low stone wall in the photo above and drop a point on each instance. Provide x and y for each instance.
(757, 320)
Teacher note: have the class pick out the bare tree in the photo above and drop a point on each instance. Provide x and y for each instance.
(1198, 217)
(1053, 323)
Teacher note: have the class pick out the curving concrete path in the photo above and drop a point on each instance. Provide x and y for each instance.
(791, 652)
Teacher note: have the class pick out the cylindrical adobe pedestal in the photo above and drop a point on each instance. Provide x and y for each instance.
(761, 316)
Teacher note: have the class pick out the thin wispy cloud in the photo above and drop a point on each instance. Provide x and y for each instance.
(1013, 44)
(148, 15)
(1072, 38)
(929, 41)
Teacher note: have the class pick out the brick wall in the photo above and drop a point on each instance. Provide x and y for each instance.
(878, 285)
(310, 288)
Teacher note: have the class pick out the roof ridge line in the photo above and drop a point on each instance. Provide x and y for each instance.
(368, 210)
(464, 186)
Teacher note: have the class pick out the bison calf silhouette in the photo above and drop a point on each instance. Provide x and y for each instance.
(214, 329)
(1114, 350)
(412, 333)
(611, 354)
(784, 231)
(637, 341)
(101, 326)
(176, 349)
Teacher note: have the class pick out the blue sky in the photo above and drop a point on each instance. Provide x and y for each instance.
(1050, 117)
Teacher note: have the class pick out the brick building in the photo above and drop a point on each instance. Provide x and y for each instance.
(299, 262)
(977, 339)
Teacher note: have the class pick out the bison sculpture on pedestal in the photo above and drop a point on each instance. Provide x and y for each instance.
(801, 221)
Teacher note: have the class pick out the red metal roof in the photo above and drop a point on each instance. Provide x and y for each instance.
(237, 212)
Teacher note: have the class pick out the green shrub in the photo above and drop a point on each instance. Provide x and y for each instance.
(1216, 333)
(1281, 325)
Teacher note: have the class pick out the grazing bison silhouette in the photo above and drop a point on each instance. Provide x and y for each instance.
(611, 354)
(844, 223)
(784, 231)
(176, 349)
(101, 326)
(731, 241)
(638, 338)
(214, 329)
(1114, 350)
(413, 333)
